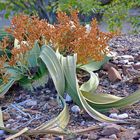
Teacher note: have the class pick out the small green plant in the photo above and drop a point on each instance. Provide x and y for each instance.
(17, 64)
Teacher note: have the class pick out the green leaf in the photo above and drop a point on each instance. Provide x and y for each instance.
(1, 119)
(52, 63)
(33, 55)
(5, 87)
(14, 76)
(91, 85)
(94, 65)
(69, 66)
(108, 101)
(58, 123)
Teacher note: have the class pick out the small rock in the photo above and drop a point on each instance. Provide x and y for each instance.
(93, 136)
(130, 63)
(113, 115)
(113, 54)
(68, 99)
(127, 135)
(11, 120)
(137, 66)
(123, 116)
(127, 57)
(108, 65)
(132, 128)
(18, 117)
(8, 125)
(58, 138)
(124, 61)
(82, 123)
(31, 103)
(2, 132)
(113, 136)
(109, 130)
(114, 75)
(75, 109)
(47, 91)
(6, 116)
(105, 139)
(85, 136)
(104, 124)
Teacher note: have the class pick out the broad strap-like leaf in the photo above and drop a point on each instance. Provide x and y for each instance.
(69, 69)
(1, 119)
(94, 65)
(69, 66)
(52, 63)
(60, 122)
(105, 102)
(24, 130)
(91, 85)
(33, 55)
(6, 86)
(14, 76)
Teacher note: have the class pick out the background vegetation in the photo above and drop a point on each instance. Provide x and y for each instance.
(113, 12)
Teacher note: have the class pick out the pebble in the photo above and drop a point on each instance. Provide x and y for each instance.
(128, 57)
(2, 132)
(85, 136)
(8, 125)
(11, 120)
(113, 115)
(82, 123)
(93, 136)
(68, 99)
(19, 117)
(58, 138)
(123, 116)
(124, 61)
(31, 103)
(132, 128)
(114, 75)
(109, 130)
(75, 109)
(130, 63)
(47, 91)
(113, 136)
(104, 124)
(105, 139)
(138, 63)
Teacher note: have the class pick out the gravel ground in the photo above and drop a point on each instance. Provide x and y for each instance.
(22, 108)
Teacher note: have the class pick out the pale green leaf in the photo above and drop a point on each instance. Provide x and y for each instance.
(91, 85)
(17, 134)
(69, 66)
(52, 62)
(1, 119)
(94, 65)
